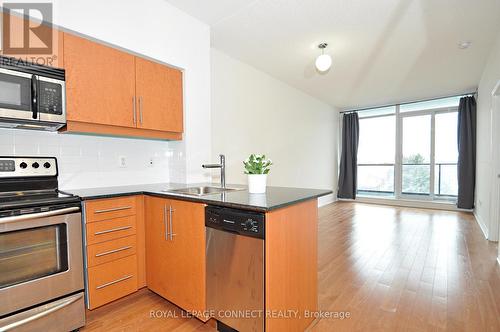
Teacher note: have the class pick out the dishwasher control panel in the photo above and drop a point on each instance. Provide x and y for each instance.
(237, 221)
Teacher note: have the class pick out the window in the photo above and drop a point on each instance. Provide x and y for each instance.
(446, 153)
(376, 164)
(416, 160)
(451, 103)
(409, 150)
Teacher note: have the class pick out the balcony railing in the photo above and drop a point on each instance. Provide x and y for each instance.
(451, 180)
(378, 179)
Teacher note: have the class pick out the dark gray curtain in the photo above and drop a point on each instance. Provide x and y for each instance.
(466, 168)
(349, 157)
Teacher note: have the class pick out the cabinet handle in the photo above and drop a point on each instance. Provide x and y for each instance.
(134, 111)
(165, 222)
(112, 251)
(140, 110)
(113, 209)
(114, 282)
(172, 234)
(112, 230)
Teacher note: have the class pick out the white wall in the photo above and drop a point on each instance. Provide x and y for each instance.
(485, 148)
(155, 29)
(254, 113)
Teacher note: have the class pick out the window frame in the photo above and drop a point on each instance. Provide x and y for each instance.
(398, 158)
(432, 162)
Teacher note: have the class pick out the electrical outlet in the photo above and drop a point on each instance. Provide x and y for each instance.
(122, 161)
(151, 162)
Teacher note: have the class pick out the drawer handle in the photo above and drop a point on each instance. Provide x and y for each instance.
(113, 230)
(112, 251)
(113, 209)
(114, 282)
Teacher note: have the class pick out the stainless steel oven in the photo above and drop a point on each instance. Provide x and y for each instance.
(31, 96)
(41, 261)
(41, 257)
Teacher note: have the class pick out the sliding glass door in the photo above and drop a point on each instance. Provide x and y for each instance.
(409, 151)
(428, 154)
(416, 155)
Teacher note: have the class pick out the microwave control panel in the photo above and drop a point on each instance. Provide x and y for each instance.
(50, 100)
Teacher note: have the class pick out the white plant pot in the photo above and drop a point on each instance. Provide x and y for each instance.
(257, 183)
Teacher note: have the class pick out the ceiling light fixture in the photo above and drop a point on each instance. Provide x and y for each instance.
(323, 61)
(464, 45)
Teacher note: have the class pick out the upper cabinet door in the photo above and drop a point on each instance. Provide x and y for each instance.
(159, 96)
(100, 83)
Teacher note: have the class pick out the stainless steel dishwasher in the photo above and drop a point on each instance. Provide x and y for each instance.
(235, 268)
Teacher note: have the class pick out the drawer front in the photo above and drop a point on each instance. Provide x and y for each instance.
(108, 251)
(102, 209)
(110, 281)
(106, 230)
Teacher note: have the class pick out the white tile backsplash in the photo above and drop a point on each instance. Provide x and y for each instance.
(93, 161)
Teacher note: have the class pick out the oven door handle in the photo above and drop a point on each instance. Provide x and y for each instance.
(38, 215)
(56, 306)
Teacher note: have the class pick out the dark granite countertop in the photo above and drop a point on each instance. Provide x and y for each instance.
(274, 198)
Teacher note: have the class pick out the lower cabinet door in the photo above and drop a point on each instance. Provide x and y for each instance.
(159, 250)
(188, 226)
(175, 252)
(110, 281)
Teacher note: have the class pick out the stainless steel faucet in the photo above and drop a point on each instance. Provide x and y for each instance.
(222, 167)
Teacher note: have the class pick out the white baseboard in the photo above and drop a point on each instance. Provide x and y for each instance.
(324, 200)
(481, 224)
(436, 205)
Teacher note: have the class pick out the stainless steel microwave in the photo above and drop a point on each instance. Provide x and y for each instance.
(31, 96)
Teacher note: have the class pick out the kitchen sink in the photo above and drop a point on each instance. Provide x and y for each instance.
(200, 191)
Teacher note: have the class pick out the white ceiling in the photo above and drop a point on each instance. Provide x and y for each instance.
(383, 51)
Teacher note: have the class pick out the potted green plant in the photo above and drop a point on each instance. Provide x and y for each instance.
(257, 167)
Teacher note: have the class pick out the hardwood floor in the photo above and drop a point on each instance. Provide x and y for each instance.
(404, 269)
(390, 268)
(142, 311)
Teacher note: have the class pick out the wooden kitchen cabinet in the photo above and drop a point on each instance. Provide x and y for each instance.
(100, 83)
(291, 271)
(159, 96)
(110, 281)
(106, 230)
(112, 92)
(115, 248)
(112, 250)
(175, 265)
(104, 209)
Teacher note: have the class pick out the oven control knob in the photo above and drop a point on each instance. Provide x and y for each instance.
(23, 165)
(35, 165)
(248, 224)
(46, 165)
